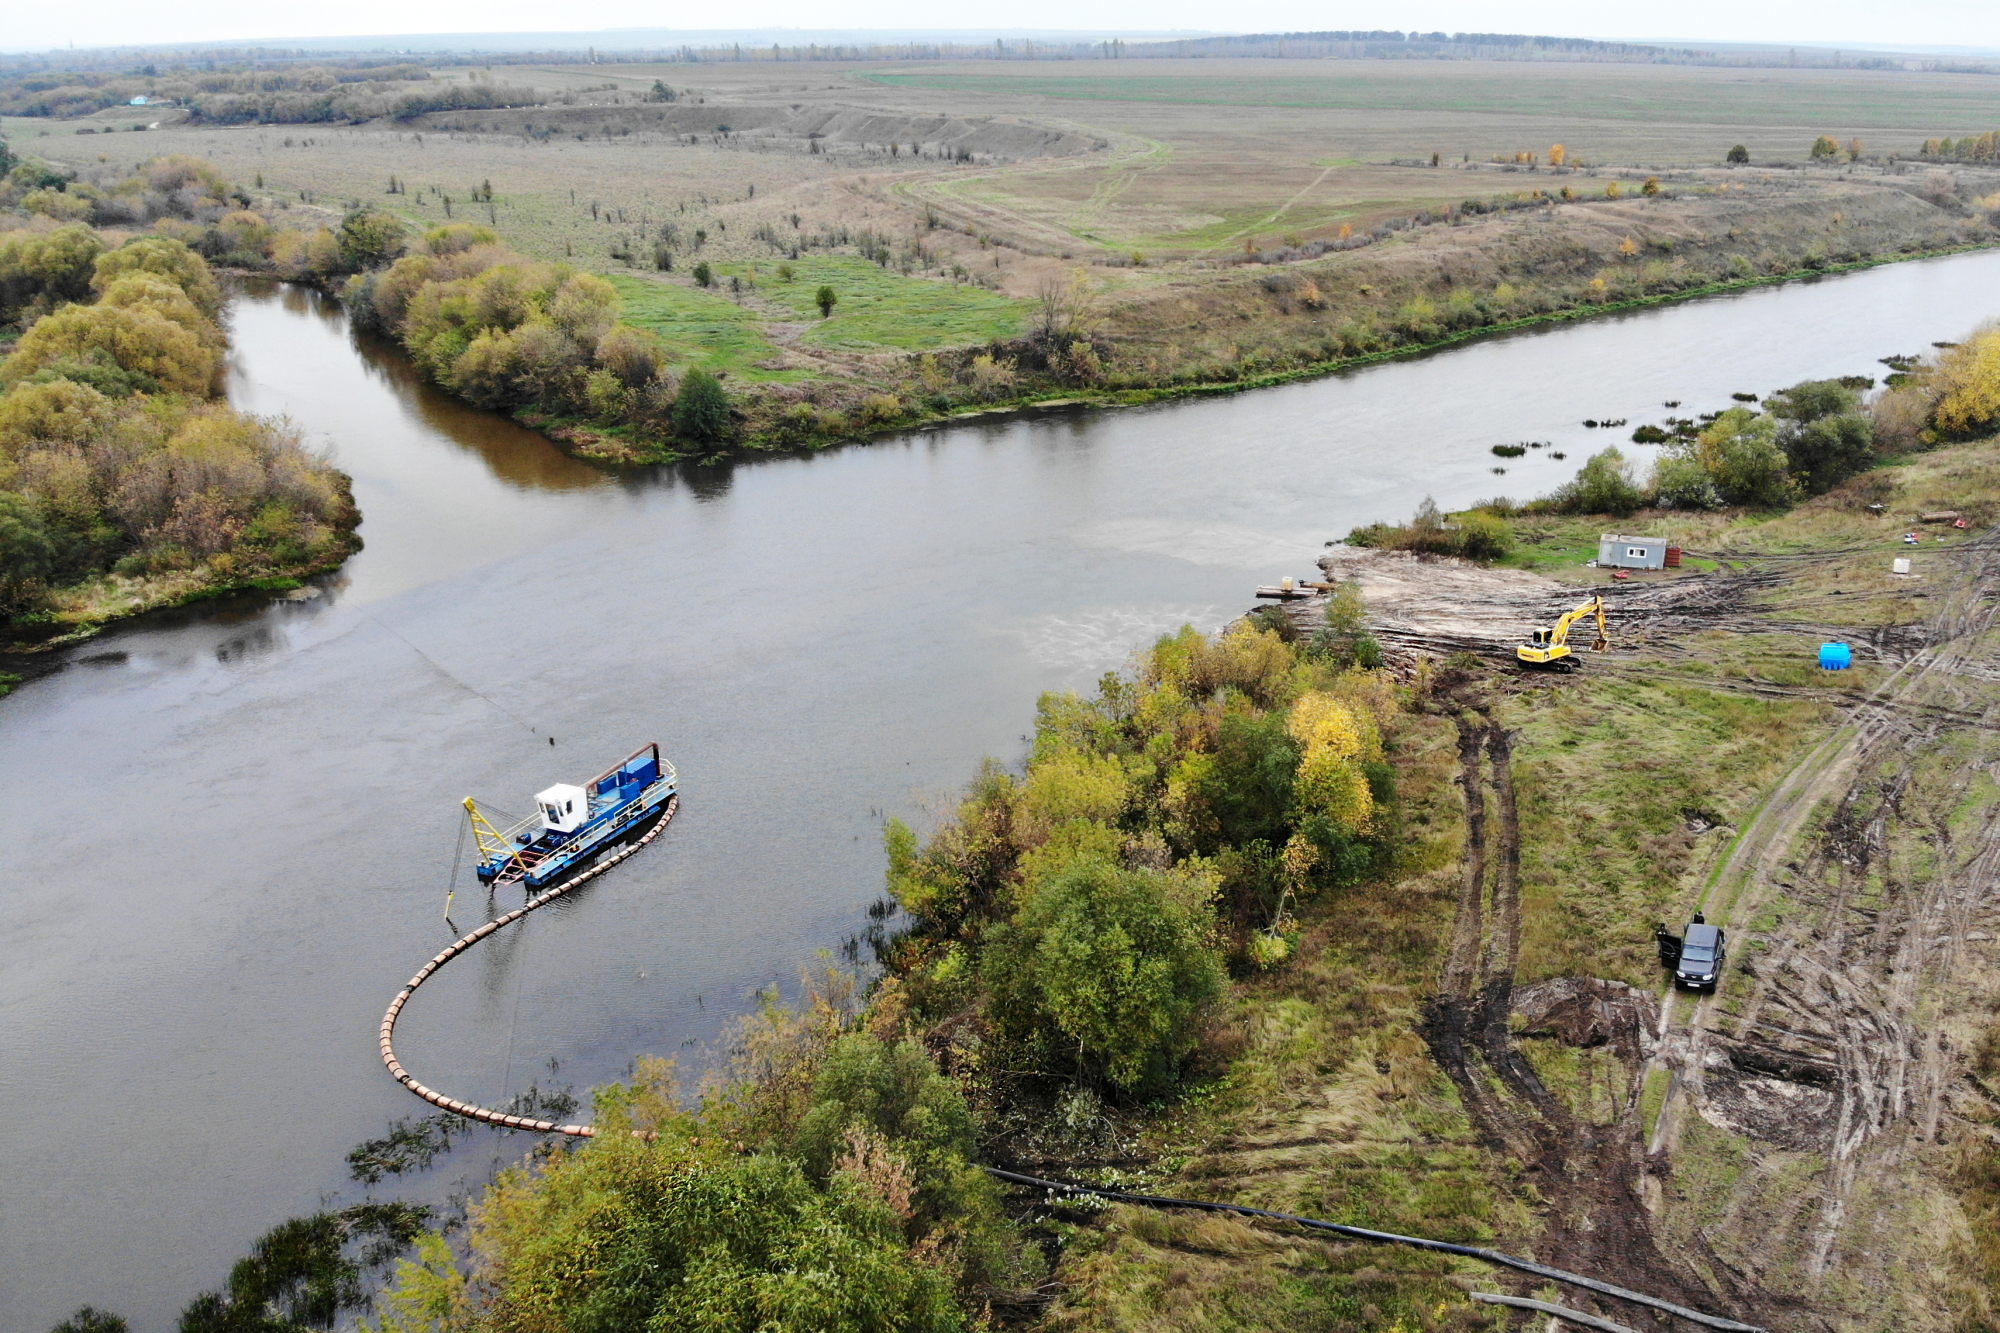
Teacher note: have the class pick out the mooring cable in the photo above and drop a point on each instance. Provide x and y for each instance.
(1387, 1237)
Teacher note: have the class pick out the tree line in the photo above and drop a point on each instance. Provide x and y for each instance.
(117, 456)
(244, 94)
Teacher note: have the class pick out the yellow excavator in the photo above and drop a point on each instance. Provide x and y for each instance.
(1550, 647)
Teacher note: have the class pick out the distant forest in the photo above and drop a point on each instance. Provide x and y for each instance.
(248, 90)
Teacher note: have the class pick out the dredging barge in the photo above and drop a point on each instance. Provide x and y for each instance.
(572, 823)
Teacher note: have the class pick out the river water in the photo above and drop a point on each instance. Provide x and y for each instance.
(229, 831)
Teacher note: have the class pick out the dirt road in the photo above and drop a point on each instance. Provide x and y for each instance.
(1799, 1168)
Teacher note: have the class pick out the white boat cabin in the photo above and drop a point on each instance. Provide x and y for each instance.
(564, 808)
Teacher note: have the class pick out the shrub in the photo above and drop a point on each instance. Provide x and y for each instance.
(42, 270)
(1474, 535)
(1681, 482)
(1901, 417)
(633, 355)
(1737, 155)
(683, 1234)
(1967, 383)
(370, 238)
(1740, 453)
(606, 397)
(164, 258)
(1484, 536)
(1824, 147)
(704, 276)
(701, 409)
(1603, 486)
(136, 340)
(59, 410)
(455, 238)
(1105, 969)
(486, 372)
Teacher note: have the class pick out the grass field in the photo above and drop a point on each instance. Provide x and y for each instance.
(700, 328)
(1845, 101)
(1151, 177)
(880, 308)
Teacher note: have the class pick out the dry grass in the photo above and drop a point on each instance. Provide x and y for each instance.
(1151, 178)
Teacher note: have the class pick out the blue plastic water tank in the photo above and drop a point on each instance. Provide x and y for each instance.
(1835, 656)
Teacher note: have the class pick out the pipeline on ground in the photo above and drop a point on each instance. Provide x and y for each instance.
(533, 1126)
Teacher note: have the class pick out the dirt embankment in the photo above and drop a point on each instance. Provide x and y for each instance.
(1435, 606)
(1473, 270)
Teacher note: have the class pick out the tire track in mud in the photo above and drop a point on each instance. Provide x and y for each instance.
(1839, 1030)
(1588, 1174)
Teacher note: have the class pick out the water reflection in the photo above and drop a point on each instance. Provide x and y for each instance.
(814, 640)
(511, 452)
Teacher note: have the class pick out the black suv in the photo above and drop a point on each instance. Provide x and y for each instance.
(1698, 961)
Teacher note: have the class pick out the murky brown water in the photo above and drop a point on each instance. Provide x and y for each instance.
(229, 831)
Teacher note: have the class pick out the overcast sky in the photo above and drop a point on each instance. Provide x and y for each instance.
(1957, 23)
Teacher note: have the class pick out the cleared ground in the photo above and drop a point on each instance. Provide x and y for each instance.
(1812, 1146)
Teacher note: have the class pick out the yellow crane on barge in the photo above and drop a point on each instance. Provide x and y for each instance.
(1550, 647)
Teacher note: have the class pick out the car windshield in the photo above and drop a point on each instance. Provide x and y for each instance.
(1697, 953)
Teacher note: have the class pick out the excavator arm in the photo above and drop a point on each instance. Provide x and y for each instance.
(1550, 647)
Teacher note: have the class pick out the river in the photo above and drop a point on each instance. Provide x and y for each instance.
(229, 831)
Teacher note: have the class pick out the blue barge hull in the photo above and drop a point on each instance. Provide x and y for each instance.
(572, 824)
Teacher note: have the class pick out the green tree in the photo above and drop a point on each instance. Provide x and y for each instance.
(48, 268)
(28, 552)
(1603, 486)
(1681, 482)
(164, 258)
(1823, 147)
(1825, 435)
(1828, 451)
(1740, 452)
(1104, 970)
(704, 276)
(701, 409)
(825, 299)
(369, 239)
(1737, 155)
(871, 1092)
(660, 93)
(680, 1236)
(89, 1320)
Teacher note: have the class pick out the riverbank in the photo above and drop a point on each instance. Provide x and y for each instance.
(942, 305)
(1479, 1044)
(126, 483)
(1083, 536)
(75, 612)
(1443, 1014)
(583, 438)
